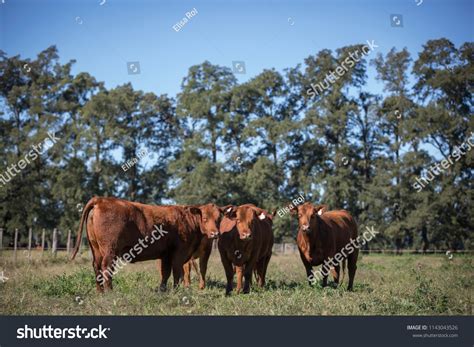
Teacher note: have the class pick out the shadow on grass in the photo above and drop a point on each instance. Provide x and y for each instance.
(361, 288)
(270, 285)
(210, 284)
(215, 284)
(283, 285)
(293, 285)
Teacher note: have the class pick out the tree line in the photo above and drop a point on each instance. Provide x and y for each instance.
(266, 141)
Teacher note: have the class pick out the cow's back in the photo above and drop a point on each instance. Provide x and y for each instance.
(112, 219)
(341, 225)
(118, 225)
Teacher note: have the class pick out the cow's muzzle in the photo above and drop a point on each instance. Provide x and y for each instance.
(246, 236)
(305, 228)
(213, 235)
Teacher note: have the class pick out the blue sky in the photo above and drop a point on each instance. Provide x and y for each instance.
(263, 34)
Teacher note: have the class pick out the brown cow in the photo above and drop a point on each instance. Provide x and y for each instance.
(246, 241)
(119, 229)
(210, 214)
(322, 234)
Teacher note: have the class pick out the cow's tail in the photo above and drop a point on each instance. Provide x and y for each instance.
(85, 214)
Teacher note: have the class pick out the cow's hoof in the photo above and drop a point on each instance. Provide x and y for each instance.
(160, 289)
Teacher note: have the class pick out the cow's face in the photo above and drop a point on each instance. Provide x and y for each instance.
(305, 213)
(209, 216)
(244, 216)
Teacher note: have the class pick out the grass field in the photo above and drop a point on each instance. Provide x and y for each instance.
(384, 285)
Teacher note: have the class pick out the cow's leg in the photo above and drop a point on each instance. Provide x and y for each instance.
(325, 281)
(229, 274)
(261, 268)
(165, 270)
(261, 277)
(352, 267)
(336, 273)
(343, 267)
(239, 273)
(265, 267)
(308, 268)
(256, 275)
(248, 277)
(158, 266)
(259, 273)
(97, 263)
(187, 273)
(326, 270)
(107, 270)
(177, 263)
(203, 260)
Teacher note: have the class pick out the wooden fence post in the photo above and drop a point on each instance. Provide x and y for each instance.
(15, 244)
(55, 241)
(42, 242)
(68, 246)
(30, 236)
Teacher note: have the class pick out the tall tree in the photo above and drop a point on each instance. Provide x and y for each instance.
(205, 99)
(328, 118)
(444, 84)
(29, 92)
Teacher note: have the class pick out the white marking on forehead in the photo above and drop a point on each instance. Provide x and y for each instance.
(261, 216)
(320, 212)
(229, 209)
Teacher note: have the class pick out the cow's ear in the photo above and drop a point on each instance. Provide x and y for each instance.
(194, 210)
(294, 210)
(260, 213)
(230, 211)
(319, 210)
(270, 215)
(225, 209)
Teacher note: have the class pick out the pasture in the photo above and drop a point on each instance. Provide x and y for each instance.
(384, 285)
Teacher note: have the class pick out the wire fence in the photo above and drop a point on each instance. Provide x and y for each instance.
(51, 244)
(291, 248)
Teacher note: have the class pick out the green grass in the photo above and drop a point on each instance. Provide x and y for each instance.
(384, 285)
